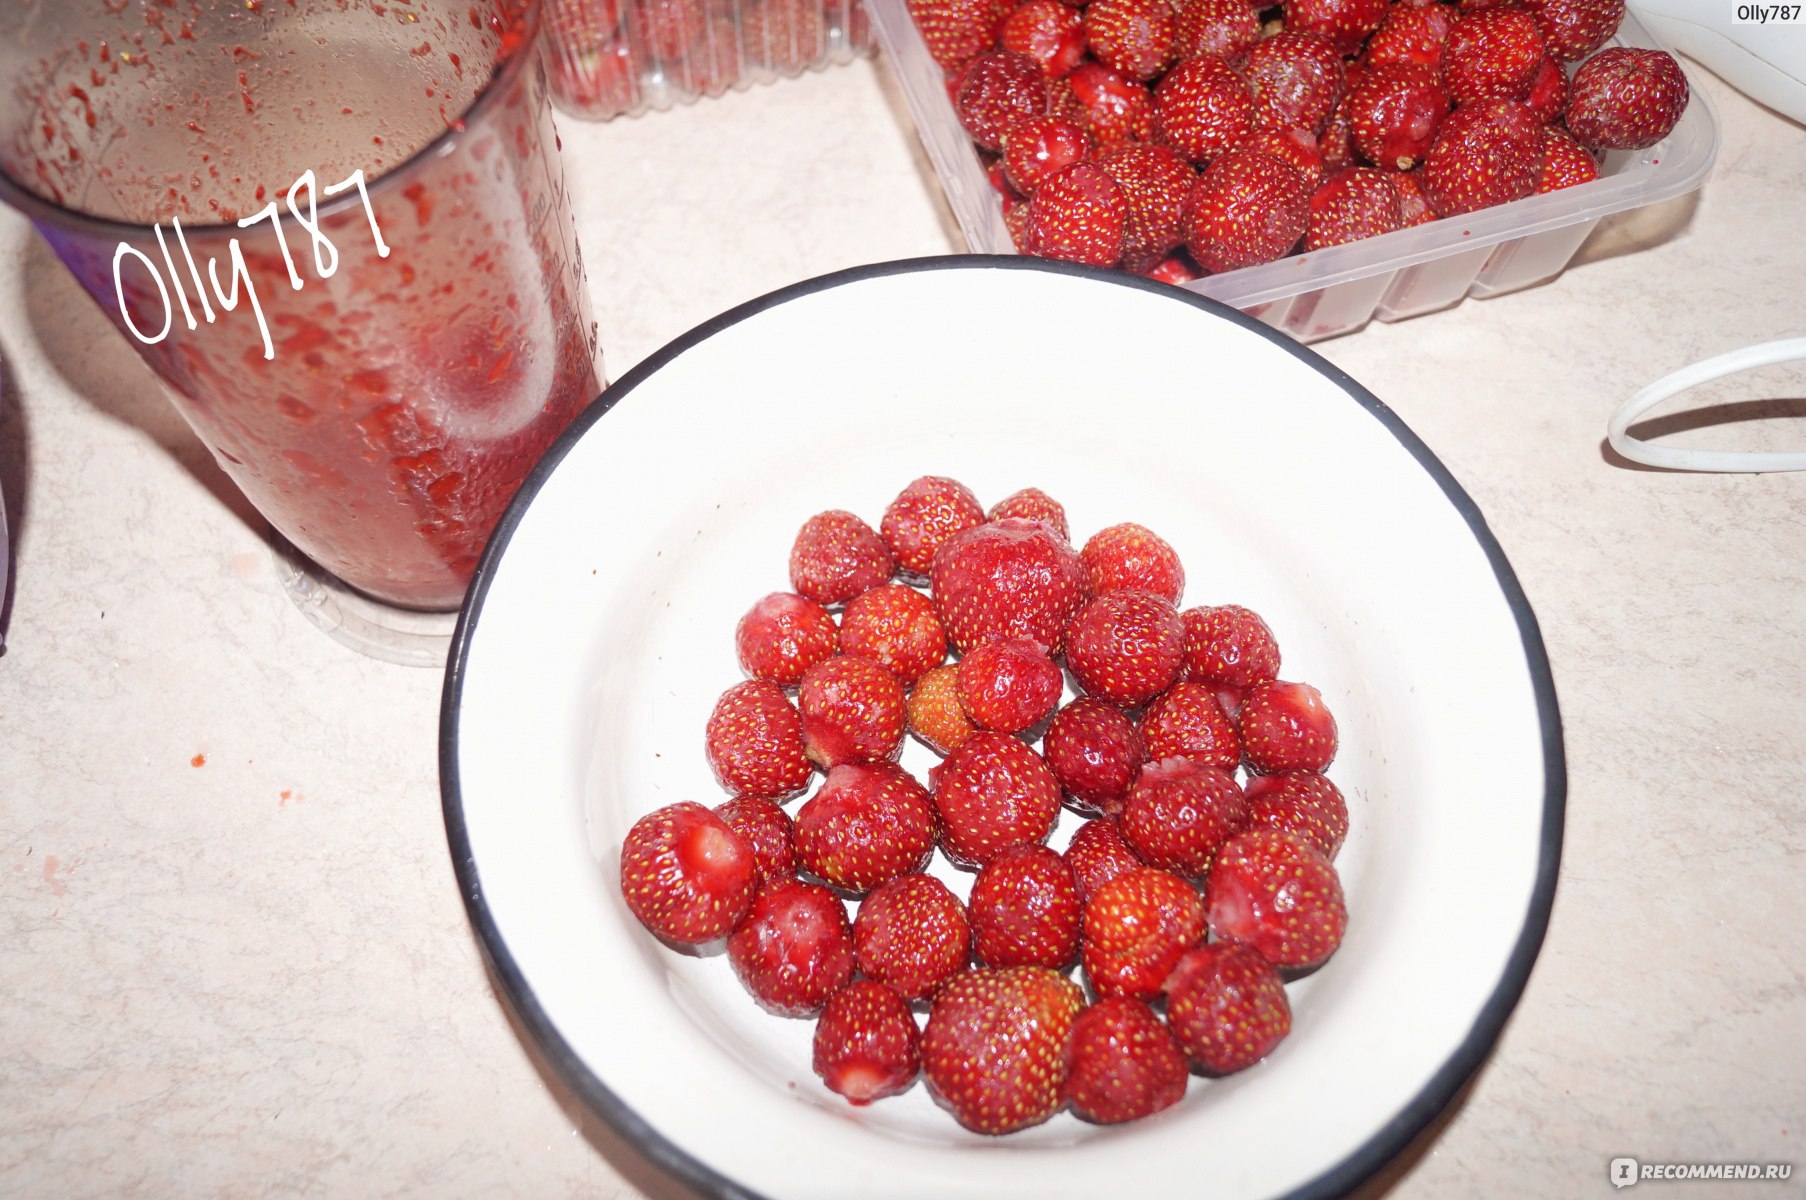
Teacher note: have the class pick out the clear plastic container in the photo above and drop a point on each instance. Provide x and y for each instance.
(607, 58)
(1329, 292)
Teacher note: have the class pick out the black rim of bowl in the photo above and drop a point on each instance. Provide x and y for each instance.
(1385, 1142)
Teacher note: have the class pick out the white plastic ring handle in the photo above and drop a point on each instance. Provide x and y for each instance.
(1747, 359)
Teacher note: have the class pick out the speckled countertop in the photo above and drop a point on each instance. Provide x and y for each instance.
(233, 959)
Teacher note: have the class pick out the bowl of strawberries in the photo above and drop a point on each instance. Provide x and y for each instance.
(963, 765)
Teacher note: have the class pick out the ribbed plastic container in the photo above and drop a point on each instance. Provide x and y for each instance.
(1329, 292)
(608, 58)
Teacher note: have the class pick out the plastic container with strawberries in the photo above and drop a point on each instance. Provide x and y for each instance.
(608, 58)
(1338, 289)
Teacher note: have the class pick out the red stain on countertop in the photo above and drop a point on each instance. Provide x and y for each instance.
(199, 760)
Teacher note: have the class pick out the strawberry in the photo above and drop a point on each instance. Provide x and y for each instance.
(1155, 181)
(1228, 647)
(995, 89)
(913, 934)
(1411, 35)
(994, 1049)
(1132, 556)
(668, 28)
(1036, 147)
(1296, 80)
(1025, 910)
(1078, 214)
(1032, 504)
(1394, 110)
(991, 793)
(1414, 208)
(925, 514)
(1176, 269)
(1180, 812)
(1126, 646)
(1352, 204)
(713, 63)
(754, 742)
(793, 949)
(1095, 752)
(1135, 928)
(1626, 98)
(1565, 162)
(686, 874)
(1573, 29)
(895, 627)
(1012, 577)
(1294, 147)
(1227, 1007)
(1335, 145)
(1188, 721)
(957, 31)
(1097, 854)
(1300, 802)
(1487, 153)
(1224, 28)
(785, 35)
(851, 711)
(1115, 107)
(1047, 31)
(868, 822)
(768, 831)
(1492, 53)
(1285, 727)
(1009, 685)
(1122, 1063)
(1346, 23)
(836, 556)
(1247, 208)
(782, 636)
(1132, 36)
(866, 1044)
(1277, 892)
(1547, 95)
(1203, 109)
(935, 715)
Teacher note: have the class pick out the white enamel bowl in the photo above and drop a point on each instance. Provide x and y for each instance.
(598, 634)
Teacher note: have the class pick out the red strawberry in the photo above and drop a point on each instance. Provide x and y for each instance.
(1352, 204)
(1187, 721)
(869, 822)
(686, 874)
(1095, 752)
(1032, 504)
(1180, 812)
(782, 636)
(866, 1043)
(1125, 646)
(1492, 53)
(1036, 147)
(1300, 802)
(785, 35)
(1294, 147)
(1135, 928)
(713, 63)
(1487, 153)
(851, 710)
(1133, 556)
(1122, 1063)
(1156, 181)
(1115, 107)
(1296, 80)
(1573, 29)
(1097, 854)
(957, 31)
(1335, 145)
(1394, 110)
(768, 831)
(1228, 647)
(912, 933)
(996, 89)
(754, 742)
(1009, 685)
(991, 793)
(1346, 23)
(1025, 910)
(1565, 162)
(1411, 35)
(1203, 109)
(1047, 31)
(836, 556)
(1247, 208)
(1414, 208)
(1175, 268)
(935, 715)
(1133, 36)
(923, 516)
(994, 1050)
(1279, 894)
(1227, 1007)
(1224, 28)
(1012, 577)
(1626, 98)
(1285, 727)
(1547, 96)
(668, 28)
(1078, 214)
(793, 949)
(895, 627)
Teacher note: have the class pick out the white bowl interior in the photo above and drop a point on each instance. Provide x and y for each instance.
(601, 635)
